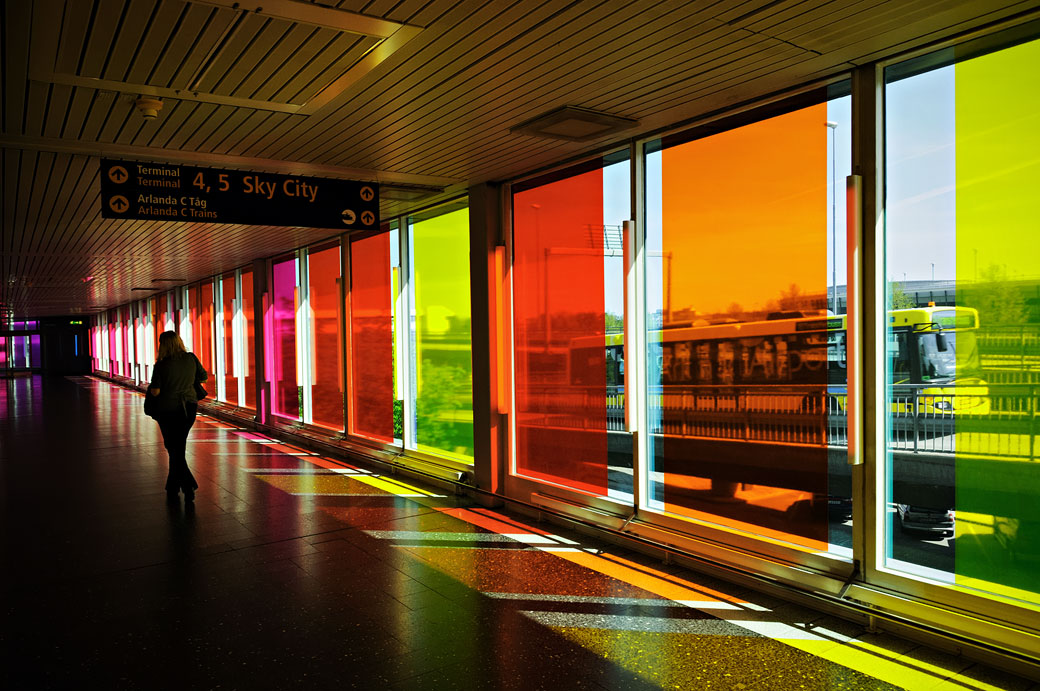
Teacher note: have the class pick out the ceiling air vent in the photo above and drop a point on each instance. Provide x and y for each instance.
(574, 123)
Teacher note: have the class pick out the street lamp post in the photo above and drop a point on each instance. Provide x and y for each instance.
(834, 226)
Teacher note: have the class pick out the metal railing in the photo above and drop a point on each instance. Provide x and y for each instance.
(996, 420)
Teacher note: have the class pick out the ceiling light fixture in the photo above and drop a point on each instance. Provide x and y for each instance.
(148, 107)
(574, 123)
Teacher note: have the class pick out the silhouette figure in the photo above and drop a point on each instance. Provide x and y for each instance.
(173, 383)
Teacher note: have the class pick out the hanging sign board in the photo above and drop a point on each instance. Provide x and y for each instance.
(169, 192)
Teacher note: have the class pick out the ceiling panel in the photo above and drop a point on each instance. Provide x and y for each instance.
(430, 109)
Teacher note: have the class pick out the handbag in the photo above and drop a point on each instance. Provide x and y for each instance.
(200, 391)
(151, 406)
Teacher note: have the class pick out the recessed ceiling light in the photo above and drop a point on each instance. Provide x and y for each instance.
(574, 123)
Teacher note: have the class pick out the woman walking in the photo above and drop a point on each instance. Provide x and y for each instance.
(173, 383)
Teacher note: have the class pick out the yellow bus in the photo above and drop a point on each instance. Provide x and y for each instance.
(800, 361)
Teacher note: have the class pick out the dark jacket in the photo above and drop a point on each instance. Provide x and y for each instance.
(175, 378)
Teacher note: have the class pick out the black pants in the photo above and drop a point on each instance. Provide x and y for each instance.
(175, 427)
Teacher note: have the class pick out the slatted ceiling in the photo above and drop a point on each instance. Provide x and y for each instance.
(455, 26)
(376, 116)
(570, 69)
(507, 111)
(263, 83)
(402, 125)
(160, 28)
(443, 105)
(570, 73)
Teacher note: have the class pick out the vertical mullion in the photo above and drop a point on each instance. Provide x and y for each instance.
(344, 285)
(636, 394)
(219, 365)
(238, 340)
(405, 339)
(303, 332)
(868, 478)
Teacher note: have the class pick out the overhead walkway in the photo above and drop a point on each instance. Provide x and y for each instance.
(298, 570)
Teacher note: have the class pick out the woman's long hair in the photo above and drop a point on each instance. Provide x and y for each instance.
(170, 344)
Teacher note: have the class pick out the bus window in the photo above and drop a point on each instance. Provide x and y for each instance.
(898, 356)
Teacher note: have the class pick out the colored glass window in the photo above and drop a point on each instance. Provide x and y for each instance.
(370, 303)
(204, 327)
(442, 368)
(227, 315)
(326, 361)
(568, 316)
(249, 358)
(963, 145)
(281, 341)
(742, 367)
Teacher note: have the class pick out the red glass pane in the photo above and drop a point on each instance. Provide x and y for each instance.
(323, 270)
(227, 315)
(561, 403)
(250, 325)
(281, 341)
(371, 338)
(204, 330)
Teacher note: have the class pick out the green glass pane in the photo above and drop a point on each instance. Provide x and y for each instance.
(443, 367)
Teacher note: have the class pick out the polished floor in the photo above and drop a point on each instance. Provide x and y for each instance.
(294, 570)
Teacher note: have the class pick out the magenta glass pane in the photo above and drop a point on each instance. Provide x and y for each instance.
(35, 356)
(20, 343)
(3, 352)
(285, 396)
(247, 313)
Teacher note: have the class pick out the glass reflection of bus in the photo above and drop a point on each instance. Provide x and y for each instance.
(793, 363)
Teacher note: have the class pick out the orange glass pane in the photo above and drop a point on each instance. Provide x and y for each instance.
(738, 354)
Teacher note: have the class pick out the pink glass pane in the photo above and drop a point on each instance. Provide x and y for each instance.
(248, 317)
(285, 396)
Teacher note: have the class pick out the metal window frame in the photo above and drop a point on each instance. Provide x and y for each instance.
(986, 616)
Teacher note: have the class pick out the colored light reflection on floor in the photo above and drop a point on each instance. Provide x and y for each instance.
(670, 628)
